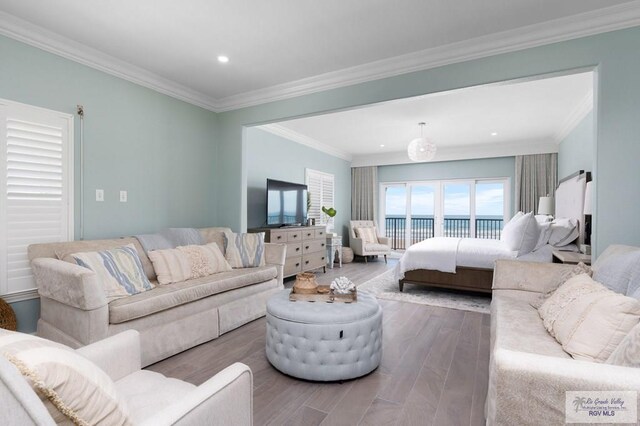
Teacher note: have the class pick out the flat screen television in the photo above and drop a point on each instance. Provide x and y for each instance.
(286, 203)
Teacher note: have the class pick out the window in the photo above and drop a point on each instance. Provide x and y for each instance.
(320, 186)
(35, 190)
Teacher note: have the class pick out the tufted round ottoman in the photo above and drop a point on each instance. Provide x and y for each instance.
(324, 341)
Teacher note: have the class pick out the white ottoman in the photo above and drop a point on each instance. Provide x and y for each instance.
(324, 341)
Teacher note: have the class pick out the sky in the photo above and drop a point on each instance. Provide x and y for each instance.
(489, 200)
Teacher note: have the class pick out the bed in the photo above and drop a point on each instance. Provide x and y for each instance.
(467, 263)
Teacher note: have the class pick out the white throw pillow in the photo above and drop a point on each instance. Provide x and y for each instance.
(543, 218)
(521, 233)
(588, 319)
(545, 233)
(563, 232)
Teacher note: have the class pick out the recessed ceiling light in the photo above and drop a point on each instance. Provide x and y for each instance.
(494, 133)
(381, 145)
(223, 59)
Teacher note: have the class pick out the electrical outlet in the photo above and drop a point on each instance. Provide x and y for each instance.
(123, 196)
(99, 194)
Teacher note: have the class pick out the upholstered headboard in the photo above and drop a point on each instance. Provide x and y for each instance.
(570, 198)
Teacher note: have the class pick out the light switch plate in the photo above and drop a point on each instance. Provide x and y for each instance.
(99, 194)
(123, 196)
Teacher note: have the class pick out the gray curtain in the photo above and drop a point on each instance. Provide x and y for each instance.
(536, 176)
(364, 193)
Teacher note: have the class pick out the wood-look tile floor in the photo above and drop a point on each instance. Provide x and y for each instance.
(434, 369)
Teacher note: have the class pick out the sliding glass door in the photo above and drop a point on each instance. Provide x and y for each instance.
(416, 211)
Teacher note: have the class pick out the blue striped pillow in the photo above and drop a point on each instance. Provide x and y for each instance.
(244, 250)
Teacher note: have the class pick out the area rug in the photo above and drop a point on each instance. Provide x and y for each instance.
(386, 287)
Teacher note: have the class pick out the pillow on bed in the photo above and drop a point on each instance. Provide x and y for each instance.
(563, 232)
(543, 218)
(545, 233)
(521, 234)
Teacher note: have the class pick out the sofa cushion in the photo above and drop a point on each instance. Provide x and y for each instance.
(588, 319)
(244, 250)
(518, 326)
(167, 297)
(215, 235)
(137, 387)
(119, 270)
(188, 262)
(627, 353)
(71, 387)
(615, 272)
(63, 251)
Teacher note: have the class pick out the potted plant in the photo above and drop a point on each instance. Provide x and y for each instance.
(330, 212)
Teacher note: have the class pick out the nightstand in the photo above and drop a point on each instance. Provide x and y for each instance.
(570, 257)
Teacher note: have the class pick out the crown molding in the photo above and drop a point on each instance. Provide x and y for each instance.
(462, 152)
(585, 24)
(26, 32)
(562, 29)
(294, 136)
(19, 296)
(575, 117)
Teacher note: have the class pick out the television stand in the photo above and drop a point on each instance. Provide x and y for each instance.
(306, 246)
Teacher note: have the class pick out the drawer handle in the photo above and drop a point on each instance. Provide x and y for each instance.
(306, 262)
(297, 248)
(279, 236)
(298, 264)
(295, 235)
(307, 247)
(308, 234)
(322, 244)
(322, 257)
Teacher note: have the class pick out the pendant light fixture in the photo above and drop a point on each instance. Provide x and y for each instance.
(421, 149)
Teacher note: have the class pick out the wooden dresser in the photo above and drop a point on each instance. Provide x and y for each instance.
(306, 247)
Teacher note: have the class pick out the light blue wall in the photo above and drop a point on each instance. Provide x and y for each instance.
(272, 156)
(576, 150)
(161, 150)
(615, 56)
(503, 167)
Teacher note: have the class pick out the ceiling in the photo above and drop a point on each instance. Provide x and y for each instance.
(284, 48)
(491, 120)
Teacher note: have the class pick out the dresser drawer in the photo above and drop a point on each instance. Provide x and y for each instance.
(292, 266)
(277, 237)
(313, 246)
(314, 260)
(294, 249)
(309, 234)
(320, 233)
(293, 236)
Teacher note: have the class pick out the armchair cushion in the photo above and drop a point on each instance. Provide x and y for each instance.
(71, 387)
(367, 234)
(371, 248)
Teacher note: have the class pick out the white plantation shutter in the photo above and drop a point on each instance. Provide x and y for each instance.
(321, 189)
(36, 194)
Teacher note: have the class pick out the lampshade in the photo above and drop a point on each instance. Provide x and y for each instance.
(421, 149)
(545, 206)
(588, 208)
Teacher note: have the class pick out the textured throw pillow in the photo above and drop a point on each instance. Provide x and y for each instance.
(119, 270)
(244, 250)
(367, 235)
(521, 233)
(616, 272)
(562, 278)
(187, 262)
(588, 319)
(71, 387)
(563, 232)
(628, 351)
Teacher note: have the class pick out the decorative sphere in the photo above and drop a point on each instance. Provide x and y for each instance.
(421, 149)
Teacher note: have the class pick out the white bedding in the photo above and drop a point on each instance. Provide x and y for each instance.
(444, 254)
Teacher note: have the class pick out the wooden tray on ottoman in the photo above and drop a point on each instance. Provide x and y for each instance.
(324, 295)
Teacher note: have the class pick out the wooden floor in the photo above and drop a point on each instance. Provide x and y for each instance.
(434, 369)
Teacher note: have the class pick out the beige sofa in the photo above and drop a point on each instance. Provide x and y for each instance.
(529, 371)
(151, 398)
(171, 318)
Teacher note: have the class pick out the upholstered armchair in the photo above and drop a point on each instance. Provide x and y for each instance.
(152, 399)
(365, 240)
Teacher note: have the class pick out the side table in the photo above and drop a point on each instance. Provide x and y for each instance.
(334, 248)
(570, 257)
